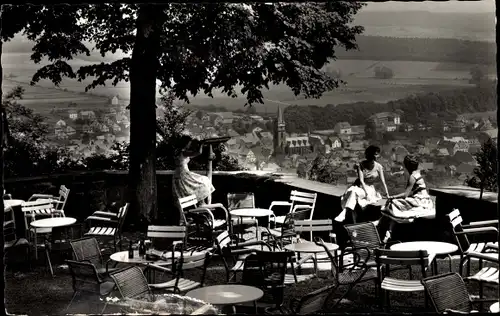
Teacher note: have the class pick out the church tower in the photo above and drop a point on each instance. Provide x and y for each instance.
(279, 134)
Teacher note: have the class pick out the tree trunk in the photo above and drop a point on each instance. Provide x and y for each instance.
(143, 69)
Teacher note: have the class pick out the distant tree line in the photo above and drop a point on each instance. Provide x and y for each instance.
(416, 108)
(422, 49)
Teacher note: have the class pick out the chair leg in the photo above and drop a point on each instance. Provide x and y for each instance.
(114, 243)
(351, 286)
(71, 301)
(104, 308)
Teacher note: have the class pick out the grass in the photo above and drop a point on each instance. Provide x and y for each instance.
(37, 293)
(410, 77)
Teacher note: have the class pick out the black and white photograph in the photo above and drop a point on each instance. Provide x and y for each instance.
(277, 158)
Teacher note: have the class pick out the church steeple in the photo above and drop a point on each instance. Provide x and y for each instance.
(279, 133)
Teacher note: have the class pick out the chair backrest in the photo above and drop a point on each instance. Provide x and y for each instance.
(397, 257)
(303, 198)
(313, 225)
(288, 227)
(200, 229)
(9, 225)
(122, 213)
(363, 235)
(63, 197)
(167, 233)
(240, 200)
(448, 291)
(86, 248)
(314, 302)
(84, 276)
(131, 283)
(456, 225)
(185, 204)
(266, 270)
(37, 209)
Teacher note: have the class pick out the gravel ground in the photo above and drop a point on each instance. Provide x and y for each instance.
(37, 293)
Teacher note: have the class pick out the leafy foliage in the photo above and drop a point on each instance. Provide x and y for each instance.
(486, 174)
(431, 107)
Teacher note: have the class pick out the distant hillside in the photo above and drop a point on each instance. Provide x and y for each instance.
(422, 49)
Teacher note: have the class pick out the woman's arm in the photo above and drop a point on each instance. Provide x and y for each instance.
(407, 191)
(382, 178)
(361, 178)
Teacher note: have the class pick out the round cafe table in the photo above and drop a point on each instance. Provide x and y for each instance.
(437, 248)
(310, 247)
(50, 223)
(253, 212)
(227, 294)
(495, 308)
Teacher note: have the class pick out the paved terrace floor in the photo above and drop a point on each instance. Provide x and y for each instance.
(38, 293)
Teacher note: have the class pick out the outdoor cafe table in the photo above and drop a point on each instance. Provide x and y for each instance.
(437, 248)
(310, 247)
(495, 308)
(50, 223)
(227, 294)
(253, 212)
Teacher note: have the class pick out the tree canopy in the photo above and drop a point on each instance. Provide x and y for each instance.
(188, 49)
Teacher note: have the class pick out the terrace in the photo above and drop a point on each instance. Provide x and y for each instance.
(37, 292)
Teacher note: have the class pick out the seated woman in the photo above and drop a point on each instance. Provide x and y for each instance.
(185, 182)
(363, 193)
(415, 202)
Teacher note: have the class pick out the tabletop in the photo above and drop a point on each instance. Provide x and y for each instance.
(310, 247)
(12, 203)
(495, 308)
(53, 222)
(251, 212)
(435, 247)
(122, 257)
(226, 294)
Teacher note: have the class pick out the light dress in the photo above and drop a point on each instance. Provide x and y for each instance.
(416, 205)
(355, 195)
(185, 182)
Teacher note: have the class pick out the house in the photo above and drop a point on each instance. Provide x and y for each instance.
(70, 130)
(382, 119)
(461, 146)
(423, 150)
(454, 139)
(87, 115)
(60, 124)
(342, 128)
(87, 129)
(297, 145)
(442, 152)
(432, 143)
(73, 115)
(317, 144)
(104, 128)
(459, 127)
(257, 118)
(464, 157)
(114, 101)
(465, 168)
(333, 142)
(484, 125)
(391, 127)
(116, 128)
(110, 138)
(449, 146)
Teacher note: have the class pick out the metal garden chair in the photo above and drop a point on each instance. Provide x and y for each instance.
(58, 201)
(352, 274)
(460, 233)
(237, 201)
(189, 204)
(298, 201)
(311, 303)
(384, 258)
(11, 241)
(86, 279)
(448, 293)
(101, 226)
(87, 250)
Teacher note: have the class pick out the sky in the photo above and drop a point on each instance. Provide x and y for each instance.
(433, 6)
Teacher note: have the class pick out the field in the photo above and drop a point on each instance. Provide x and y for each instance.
(409, 78)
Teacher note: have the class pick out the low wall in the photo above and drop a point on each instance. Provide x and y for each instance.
(91, 191)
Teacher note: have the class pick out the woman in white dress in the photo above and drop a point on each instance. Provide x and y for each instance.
(186, 182)
(414, 202)
(363, 192)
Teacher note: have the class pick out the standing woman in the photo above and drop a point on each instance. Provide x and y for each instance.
(363, 191)
(186, 182)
